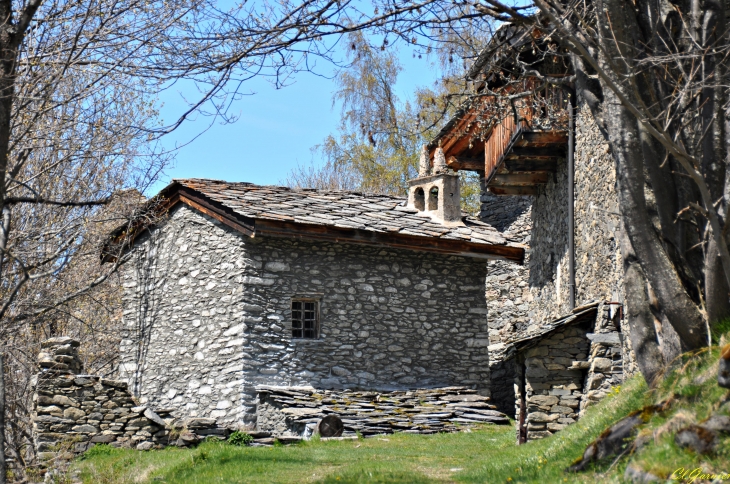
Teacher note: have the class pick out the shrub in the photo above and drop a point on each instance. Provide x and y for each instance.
(240, 438)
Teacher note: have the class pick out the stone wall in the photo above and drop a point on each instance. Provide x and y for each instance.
(507, 290)
(72, 412)
(550, 377)
(598, 262)
(207, 316)
(542, 285)
(606, 358)
(184, 318)
(297, 411)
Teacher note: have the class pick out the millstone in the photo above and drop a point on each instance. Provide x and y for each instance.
(331, 426)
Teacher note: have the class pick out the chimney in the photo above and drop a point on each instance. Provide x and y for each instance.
(436, 195)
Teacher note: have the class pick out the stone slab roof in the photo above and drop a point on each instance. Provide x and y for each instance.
(581, 314)
(338, 215)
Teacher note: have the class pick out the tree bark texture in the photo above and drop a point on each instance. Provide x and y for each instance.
(661, 205)
(642, 335)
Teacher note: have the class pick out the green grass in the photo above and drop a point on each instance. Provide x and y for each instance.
(488, 455)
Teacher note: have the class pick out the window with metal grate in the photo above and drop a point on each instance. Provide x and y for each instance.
(305, 318)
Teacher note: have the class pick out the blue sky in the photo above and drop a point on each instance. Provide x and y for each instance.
(274, 131)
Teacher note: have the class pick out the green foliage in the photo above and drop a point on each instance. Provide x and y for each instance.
(240, 438)
(377, 477)
(99, 450)
(199, 458)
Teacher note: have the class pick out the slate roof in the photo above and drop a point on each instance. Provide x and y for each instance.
(337, 215)
(581, 314)
(377, 213)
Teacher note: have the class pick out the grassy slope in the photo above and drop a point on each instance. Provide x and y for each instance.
(487, 455)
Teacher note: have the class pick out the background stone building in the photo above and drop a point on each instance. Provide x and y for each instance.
(523, 155)
(240, 286)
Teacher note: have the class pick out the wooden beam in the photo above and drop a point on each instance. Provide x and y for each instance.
(458, 132)
(388, 239)
(520, 179)
(513, 190)
(518, 164)
(556, 151)
(463, 145)
(464, 163)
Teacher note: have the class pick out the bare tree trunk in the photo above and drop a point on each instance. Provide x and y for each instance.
(674, 301)
(643, 337)
(717, 293)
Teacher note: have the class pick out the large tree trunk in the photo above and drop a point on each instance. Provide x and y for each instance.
(643, 337)
(681, 311)
(619, 32)
(716, 288)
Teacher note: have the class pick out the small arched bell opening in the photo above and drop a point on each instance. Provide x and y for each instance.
(419, 199)
(433, 199)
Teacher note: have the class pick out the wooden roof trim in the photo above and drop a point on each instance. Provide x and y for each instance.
(451, 139)
(218, 211)
(389, 239)
(170, 197)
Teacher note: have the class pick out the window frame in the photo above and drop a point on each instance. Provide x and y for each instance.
(317, 300)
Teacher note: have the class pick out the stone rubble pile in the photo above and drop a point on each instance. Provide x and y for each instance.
(297, 410)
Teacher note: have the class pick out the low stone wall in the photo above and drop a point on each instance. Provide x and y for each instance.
(73, 412)
(296, 411)
(553, 381)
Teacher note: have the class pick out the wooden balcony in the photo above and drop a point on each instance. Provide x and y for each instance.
(517, 150)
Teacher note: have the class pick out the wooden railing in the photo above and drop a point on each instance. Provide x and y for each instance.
(500, 139)
(551, 107)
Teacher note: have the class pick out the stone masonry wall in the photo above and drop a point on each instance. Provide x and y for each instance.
(184, 317)
(390, 319)
(553, 381)
(207, 316)
(521, 299)
(606, 358)
(298, 411)
(73, 412)
(598, 263)
(507, 290)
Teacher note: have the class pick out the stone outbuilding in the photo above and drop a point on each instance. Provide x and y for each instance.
(571, 362)
(237, 287)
